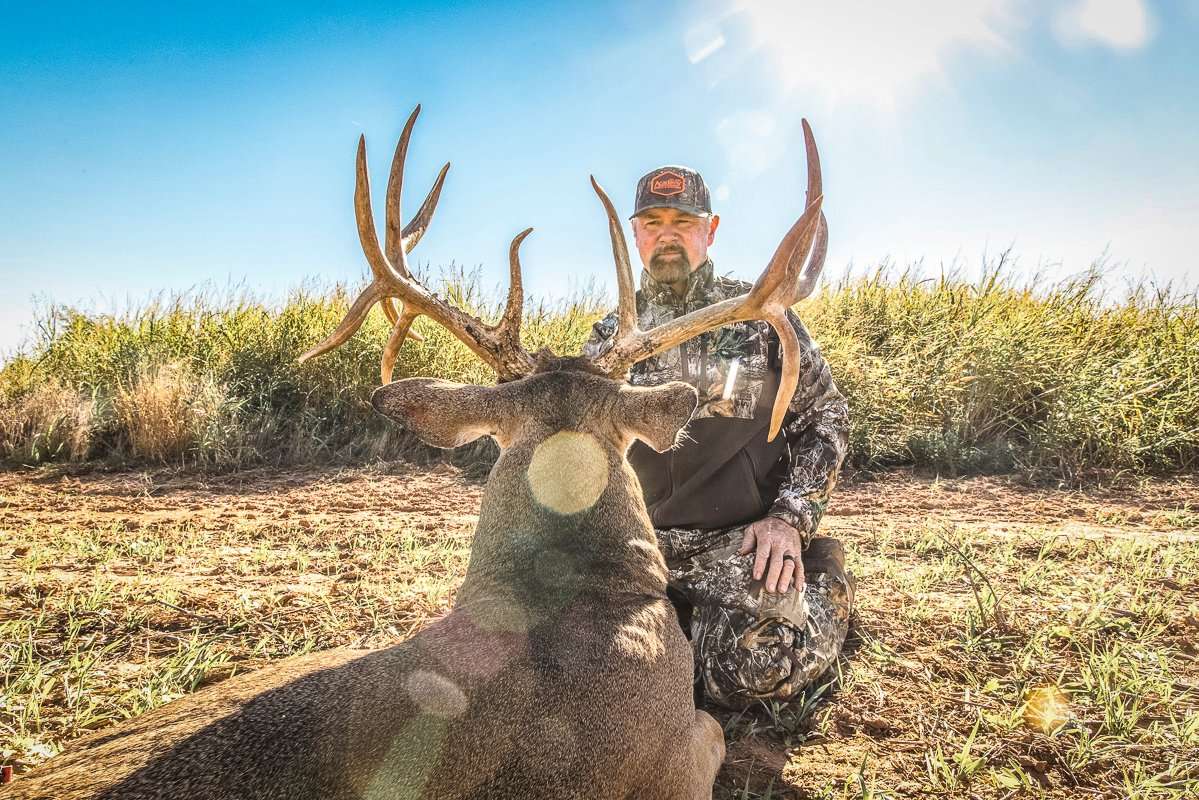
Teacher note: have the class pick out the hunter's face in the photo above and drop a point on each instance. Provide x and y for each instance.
(673, 243)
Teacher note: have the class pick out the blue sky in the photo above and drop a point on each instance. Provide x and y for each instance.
(144, 149)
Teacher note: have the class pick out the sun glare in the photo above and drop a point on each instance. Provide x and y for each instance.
(877, 53)
(1046, 709)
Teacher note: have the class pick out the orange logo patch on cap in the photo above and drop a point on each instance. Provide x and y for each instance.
(667, 184)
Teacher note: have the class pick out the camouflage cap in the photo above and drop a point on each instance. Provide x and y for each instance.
(673, 187)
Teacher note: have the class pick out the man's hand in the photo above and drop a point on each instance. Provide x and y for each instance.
(778, 547)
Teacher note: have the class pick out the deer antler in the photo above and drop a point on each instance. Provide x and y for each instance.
(498, 345)
(784, 282)
(411, 234)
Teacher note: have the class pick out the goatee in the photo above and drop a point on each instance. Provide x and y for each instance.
(670, 266)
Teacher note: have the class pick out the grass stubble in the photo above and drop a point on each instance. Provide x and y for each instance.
(1036, 646)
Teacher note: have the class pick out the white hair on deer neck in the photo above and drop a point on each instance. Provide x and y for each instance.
(568, 472)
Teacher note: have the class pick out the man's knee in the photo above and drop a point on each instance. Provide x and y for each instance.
(824, 554)
(743, 659)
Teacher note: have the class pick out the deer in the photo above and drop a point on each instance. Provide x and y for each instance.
(561, 671)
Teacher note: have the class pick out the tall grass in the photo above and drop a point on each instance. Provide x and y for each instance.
(1055, 379)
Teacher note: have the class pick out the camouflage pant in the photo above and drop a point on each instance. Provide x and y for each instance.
(749, 644)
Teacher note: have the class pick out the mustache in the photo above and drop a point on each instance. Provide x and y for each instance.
(671, 258)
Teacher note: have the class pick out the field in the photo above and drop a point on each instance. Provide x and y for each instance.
(184, 501)
(1009, 641)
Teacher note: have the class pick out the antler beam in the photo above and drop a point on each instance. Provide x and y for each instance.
(784, 282)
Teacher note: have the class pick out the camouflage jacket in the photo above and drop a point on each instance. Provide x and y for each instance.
(727, 366)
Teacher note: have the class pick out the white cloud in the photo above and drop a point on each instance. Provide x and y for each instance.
(865, 50)
(1119, 24)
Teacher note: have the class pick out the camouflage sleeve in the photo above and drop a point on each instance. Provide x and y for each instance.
(817, 433)
(600, 340)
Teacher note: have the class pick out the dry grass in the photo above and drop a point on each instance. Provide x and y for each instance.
(47, 423)
(122, 592)
(168, 413)
(211, 379)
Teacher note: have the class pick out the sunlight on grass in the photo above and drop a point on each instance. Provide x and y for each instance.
(1051, 379)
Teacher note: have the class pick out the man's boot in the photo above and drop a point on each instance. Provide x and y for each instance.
(826, 556)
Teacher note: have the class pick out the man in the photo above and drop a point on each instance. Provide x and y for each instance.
(765, 601)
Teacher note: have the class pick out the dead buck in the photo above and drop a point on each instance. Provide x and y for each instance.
(562, 670)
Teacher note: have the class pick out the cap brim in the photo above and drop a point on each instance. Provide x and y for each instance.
(694, 210)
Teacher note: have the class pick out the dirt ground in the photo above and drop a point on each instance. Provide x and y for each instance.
(975, 597)
(440, 493)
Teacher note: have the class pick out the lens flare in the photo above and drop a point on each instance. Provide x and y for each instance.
(1046, 709)
(569, 472)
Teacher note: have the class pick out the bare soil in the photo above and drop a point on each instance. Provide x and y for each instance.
(931, 654)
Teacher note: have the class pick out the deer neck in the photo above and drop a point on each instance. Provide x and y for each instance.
(543, 549)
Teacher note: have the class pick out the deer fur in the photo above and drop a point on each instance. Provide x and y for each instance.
(560, 672)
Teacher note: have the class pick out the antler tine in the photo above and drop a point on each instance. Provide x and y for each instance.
(379, 265)
(391, 350)
(813, 158)
(783, 269)
(370, 246)
(348, 326)
(395, 238)
(815, 189)
(816, 263)
(794, 247)
(509, 324)
(393, 231)
(367, 237)
(396, 248)
(410, 238)
(627, 304)
(406, 238)
(789, 351)
(390, 311)
(417, 226)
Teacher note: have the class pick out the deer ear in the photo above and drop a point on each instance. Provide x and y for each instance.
(655, 414)
(442, 413)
